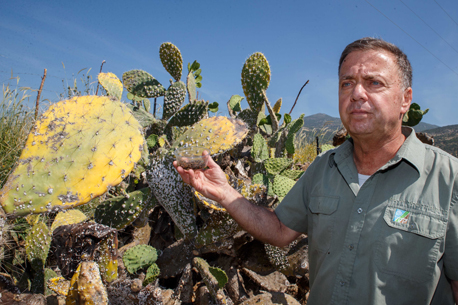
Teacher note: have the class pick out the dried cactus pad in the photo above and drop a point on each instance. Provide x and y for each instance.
(171, 59)
(77, 150)
(139, 257)
(218, 134)
(111, 84)
(255, 78)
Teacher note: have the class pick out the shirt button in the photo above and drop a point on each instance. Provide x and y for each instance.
(351, 247)
(360, 211)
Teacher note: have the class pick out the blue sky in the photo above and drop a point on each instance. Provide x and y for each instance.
(302, 40)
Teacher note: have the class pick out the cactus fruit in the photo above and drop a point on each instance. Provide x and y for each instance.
(139, 257)
(78, 150)
(142, 84)
(171, 59)
(111, 84)
(255, 78)
(37, 245)
(151, 274)
(275, 165)
(218, 134)
(173, 194)
(276, 108)
(68, 217)
(59, 285)
(121, 211)
(173, 99)
(282, 185)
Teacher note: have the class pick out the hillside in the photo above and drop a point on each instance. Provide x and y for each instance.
(445, 138)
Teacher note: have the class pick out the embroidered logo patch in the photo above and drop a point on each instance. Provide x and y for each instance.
(401, 216)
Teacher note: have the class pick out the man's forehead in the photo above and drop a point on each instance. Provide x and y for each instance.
(368, 62)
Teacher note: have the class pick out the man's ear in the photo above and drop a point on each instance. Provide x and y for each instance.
(407, 100)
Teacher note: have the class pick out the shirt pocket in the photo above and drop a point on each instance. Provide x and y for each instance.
(322, 210)
(411, 242)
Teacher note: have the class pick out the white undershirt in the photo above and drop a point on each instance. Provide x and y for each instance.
(362, 179)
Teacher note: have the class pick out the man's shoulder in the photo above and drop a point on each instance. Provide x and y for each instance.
(440, 154)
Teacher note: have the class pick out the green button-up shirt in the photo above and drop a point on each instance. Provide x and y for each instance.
(392, 241)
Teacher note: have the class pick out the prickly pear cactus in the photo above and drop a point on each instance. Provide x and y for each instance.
(171, 59)
(151, 274)
(37, 245)
(86, 286)
(259, 151)
(255, 79)
(68, 217)
(218, 134)
(214, 284)
(173, 99)
(59, 285)
(78, 150)
(121, 211)
(139, 257)
(108, 260)
(282, 185)
(142, 84)
(275, 165)
(111, 84)
(189, 114)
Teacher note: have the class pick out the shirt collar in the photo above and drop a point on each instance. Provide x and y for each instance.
(412, 151)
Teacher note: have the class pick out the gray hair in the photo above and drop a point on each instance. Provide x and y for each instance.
(369, 43)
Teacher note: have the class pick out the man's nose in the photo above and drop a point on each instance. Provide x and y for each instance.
(359, 93)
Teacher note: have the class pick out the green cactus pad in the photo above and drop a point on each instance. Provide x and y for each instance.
(289, 144)
(111, 83)
(255, 78)
(234, 103)
(259, 151)
(78, 150)
(292, 174)
(282, 185)
(414, 115)
(189, 114)
(191, 84)
(173, 194)
(218, 134)
(145, 118)
(151, 274)
(296, 125)
(259, 179)
(174, 98)
(143, 84)
(68, 217)
(219, 275)
(139, 257)
(119, 212)
(37, 245)
(171, 59)
(275, 165)
(213, 283)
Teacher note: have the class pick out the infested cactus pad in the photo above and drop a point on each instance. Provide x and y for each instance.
(173, 99)
(255, 79)
(218, 134)
(37, 245)
(142, 84)
(151, 274)
(189, 114)
(78, 150)
(171, 59)
(111, 84)
(69, 217)
(139, 257)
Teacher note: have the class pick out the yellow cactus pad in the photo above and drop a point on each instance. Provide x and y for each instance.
(77, 150)
(217, 134)
(68, 218)
(59, 285)
(277, 106)
(111, 84)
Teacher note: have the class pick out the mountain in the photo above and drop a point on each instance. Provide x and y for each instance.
(445, 138)
(424, 126)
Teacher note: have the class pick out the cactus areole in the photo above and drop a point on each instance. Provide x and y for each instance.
(76, 151)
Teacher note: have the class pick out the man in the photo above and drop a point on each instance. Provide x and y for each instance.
(380, 211)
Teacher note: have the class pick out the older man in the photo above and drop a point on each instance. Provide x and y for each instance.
(380, 211)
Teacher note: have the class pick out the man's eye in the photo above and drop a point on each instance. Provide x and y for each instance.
(376, 83)
(345, 84)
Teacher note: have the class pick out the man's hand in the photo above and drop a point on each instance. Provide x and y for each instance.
(455, 290)
(211, 182)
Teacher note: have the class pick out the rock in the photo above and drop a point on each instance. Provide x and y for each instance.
(271, 299)
(425, 138)
(272, 282)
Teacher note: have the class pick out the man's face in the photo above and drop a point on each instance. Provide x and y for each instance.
(372, 99)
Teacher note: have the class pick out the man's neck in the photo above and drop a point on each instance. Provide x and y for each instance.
(370, 154)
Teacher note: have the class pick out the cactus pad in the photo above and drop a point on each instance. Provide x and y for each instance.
(173, 99)
(292, 174)
(139, 257)
(282, 185)
(255, 78)
(121, 211)
(276, 108)
(189, 114)
(191, 85)
(68, 218)
(259, 151)
(221, 225)
(37, 245)
(218, 134)
(59, 285)
(275, 165)
(88, 285)
(210, 280)
(111, 84)
(151, 274)
(78, 150)
(142, 84)
(296, 125)
(108, 260)
(171, 59)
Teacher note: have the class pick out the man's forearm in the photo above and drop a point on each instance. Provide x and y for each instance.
(455, 290)
(260, 222)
